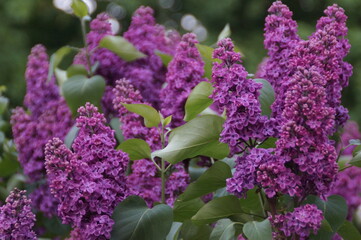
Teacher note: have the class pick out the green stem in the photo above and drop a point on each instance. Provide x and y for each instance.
(87, 56)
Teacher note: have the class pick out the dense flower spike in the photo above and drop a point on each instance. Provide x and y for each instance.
(239, 97)
(332, 30)
(49, 117)
(185, 71)
(16, 218)
(299, 224)
(90, 181)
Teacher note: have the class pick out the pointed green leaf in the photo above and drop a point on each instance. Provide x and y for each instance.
(186, 210)
(258, 230)
(166, 58)
(267, 96)
(122, 47)
(269, 143)
(198, 100)
(225, 33)
(56, 59)
(60, 76)
(200, 136)
(80, 9)
(348, 231)
(190, 231)
(324, 233)
(76, 69)
(79, 90)
(116, 126)
(211, 180)
(356, 159)
(135, 221)
(225, 229)
(166, 121)
(217, 209)
(136, 149)
(150, 115)
(70, 136)
(174, 231)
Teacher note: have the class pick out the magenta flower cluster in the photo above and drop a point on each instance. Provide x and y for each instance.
(16, 218)
(298, 224)
(48, 116)
(185, 71)
(90, 181)
(238, 96)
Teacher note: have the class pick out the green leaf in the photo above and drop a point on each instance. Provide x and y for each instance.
(225, 229)
(334, 209)
(213, 179)
(206, 53)
(76, 69)
(116, 126)
(80, 9)
(258, 230)
(70, 136)
(324, 233)
(186, 210)
(251, 204)
(79, 90)
(354, 142)
(60, 76)
(56, 59)
(217, 209)
(8, 164)
(167, 120)
(267, 96)
(269, 143)
(198, 100)
(4, 102)
(356, 159)
(15, 181)
(348, 231)
(135, 221)
(150, 115)
(122, 47)
(190, 231)
(166, 58)
(174, 231)
(136, 149)
(197, 137)
(226, 32)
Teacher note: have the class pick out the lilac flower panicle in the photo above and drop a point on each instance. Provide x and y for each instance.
(16, 218)
(48, 117)
(90, 181)
(185, 71)
(238, 95)
(301, 222)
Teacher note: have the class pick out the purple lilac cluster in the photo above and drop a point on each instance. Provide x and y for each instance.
(148, 74)
(90, 181)
(144, 179)
(16, 218)
(238, 95)
(332, 30)
(48, 117)
(185, 71)
(299, 224)
(280, 40)
(260, 167)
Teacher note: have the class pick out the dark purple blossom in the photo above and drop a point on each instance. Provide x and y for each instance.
(90, 181)
(298, 224)
(16, 218)
(185, 71)
(238, 95)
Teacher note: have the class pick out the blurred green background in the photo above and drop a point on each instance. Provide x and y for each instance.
(24, 23)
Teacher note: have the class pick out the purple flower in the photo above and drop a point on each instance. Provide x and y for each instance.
(16, 218)
(238, 95)
(90, 181)
(48, 117)
(301, 222)
(185, 71)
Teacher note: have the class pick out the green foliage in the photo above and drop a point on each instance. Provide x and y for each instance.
(211, 180)
(225, 229)
(324, 233)
(80, 9)
(79, 90)
(116, 126)
(190, 231)
(226, 32)
(197, 137)
(267, 96)
(348, 231)
(166, 58)
(135, 221)
(356, 159)
(206, 53)
(217, 209)
(71, 135)
(150, 115)
(56, 59)
(136, 148)
(174, 231)
(122, 47)
(76, 69)
(198, 100)
(185, 210)
(258, 230)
